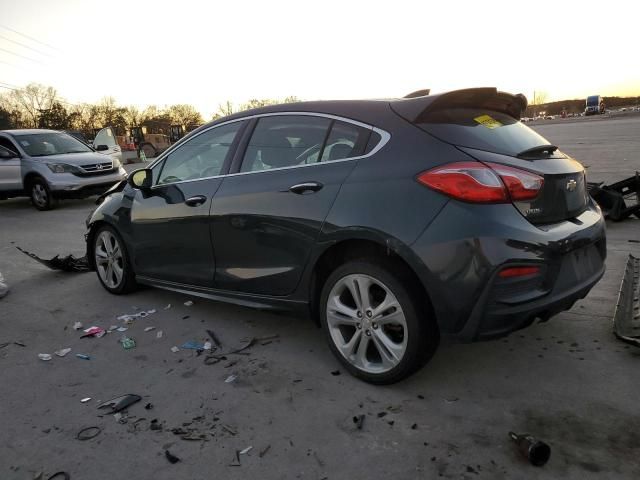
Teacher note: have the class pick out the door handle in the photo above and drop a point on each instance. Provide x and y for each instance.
(306, 187)
(196, 200)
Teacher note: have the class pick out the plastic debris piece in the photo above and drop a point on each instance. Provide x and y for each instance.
(62, 352)
(112, 328)
(207, 345)
(214, 337)
(77, 325)
(231, 379)
(148, 406)
(188, 303)
(122, 329)
(148, 329)
(175, 349)
(83, 356)
(335, 373)
(120, 403)
(172, 458)
(228, 428)
(127, 343)
(44, 356)
(120, 418)
(66, 264)
(167, 307)
(159, 334)
(192, 345)
(534, 450)
(236, 460)
(264, 451)
(60, 476)
(85, 400)
(93, 332)
(88, 433)
(245, 451)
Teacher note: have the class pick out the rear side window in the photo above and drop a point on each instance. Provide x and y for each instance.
(345, 140)
(481, 129)
(285, 141)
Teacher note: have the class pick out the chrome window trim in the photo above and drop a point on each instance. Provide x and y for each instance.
(384, 139)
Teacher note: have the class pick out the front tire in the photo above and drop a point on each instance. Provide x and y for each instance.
(376, 324)
(112, 262)
(40, 194)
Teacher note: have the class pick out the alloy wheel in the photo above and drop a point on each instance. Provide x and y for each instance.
(109, 259)
(39, 194)
(366, 323)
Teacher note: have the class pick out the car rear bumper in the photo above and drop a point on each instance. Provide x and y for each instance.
(461, 273)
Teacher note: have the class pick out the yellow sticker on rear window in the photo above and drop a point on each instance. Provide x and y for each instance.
(488, 121)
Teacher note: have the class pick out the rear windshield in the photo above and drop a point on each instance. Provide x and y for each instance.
(481, 129)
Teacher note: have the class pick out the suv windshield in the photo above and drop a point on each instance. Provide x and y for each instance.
(481, 129)
(50, 143)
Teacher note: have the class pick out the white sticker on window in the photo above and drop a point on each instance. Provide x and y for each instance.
(24, 143)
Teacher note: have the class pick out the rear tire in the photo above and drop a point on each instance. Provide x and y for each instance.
(385, 334)
(112, 261)
(40, 194)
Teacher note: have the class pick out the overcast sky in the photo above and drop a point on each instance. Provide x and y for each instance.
(205, 52)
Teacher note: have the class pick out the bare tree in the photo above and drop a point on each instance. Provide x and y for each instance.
(539, 97)
(33, 99)
(183, 114)
(133, 115)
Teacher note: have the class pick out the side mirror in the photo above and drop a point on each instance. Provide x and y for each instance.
(101, 148)
(141, 179)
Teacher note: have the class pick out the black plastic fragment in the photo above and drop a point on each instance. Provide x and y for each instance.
(120, 403)
(534, 450)
(626, 319)
(359, 421)
(60, 475)
(172, 458)
(66, 264)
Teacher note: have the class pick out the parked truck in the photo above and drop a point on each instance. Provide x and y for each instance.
(594, 105)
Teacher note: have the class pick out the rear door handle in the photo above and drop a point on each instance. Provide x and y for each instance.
(196, 200)
(306, 187)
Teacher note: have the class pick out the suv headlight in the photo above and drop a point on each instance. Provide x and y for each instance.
(62, 168)
(116, 162)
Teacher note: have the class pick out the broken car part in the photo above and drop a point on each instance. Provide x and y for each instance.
(88, 433)
(120, 403)
(626, 319)
(66, 264)
(534, 450)
(618, 200)
(44, 356)
(170, 457)
(83, 356)
(62, 352)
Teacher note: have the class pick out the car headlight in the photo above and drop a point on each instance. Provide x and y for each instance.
(116, 163)
(62, 168)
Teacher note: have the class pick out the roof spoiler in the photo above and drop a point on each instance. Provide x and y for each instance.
(416, 109)
(418, 93)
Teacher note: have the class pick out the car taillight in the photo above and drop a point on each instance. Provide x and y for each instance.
(482, 183)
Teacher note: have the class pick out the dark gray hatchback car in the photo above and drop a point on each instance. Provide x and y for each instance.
(392, 223)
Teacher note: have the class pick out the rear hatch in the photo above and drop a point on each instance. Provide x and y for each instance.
(486, 126)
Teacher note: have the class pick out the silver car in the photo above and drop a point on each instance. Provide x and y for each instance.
(48, 165)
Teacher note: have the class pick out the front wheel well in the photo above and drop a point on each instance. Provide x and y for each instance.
(90, 238)
(349, 250)
(29, 178)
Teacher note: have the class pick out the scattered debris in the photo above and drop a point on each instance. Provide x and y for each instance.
(359, 421)
(85, 400)
(175, 349)
(60, 476)
(83, 356)
(214, 337)
(66, 264)
(127, 342)
(77, 325)
(229, 429)
(148, 329)
(120, 418)
(236, 460)
(148, 406)
(130, 317)
(534, 450)
(335, 373)
(44, 356)
(188, 303)
(207, 345)
(4, 288)
(167, 307)
(264, 451)
(88, 433)
(451, 399)
(245, 451)
(414, 426)
(155, 425)
(120, 403)
(192, 345)
(172, 458)
(62, 352)
(382, 414)
(122, 329)
(231, 378)
(159, 334)
(626, 319)
(97, 332)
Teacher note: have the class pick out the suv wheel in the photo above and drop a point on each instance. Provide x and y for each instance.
(375, 324)
(111, 261)
(41, 195)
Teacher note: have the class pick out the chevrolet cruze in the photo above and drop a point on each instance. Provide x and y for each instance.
(392, 223)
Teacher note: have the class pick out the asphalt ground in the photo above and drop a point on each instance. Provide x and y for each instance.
(568, 381)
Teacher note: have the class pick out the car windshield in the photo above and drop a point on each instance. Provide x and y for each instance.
(50, 143)
(592, 101)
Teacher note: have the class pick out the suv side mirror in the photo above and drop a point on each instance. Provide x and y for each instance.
(101, 148)
(141, 179)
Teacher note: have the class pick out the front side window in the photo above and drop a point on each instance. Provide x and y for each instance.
(51, 143)
(285, 141)
(6, 143)
(202, 156)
